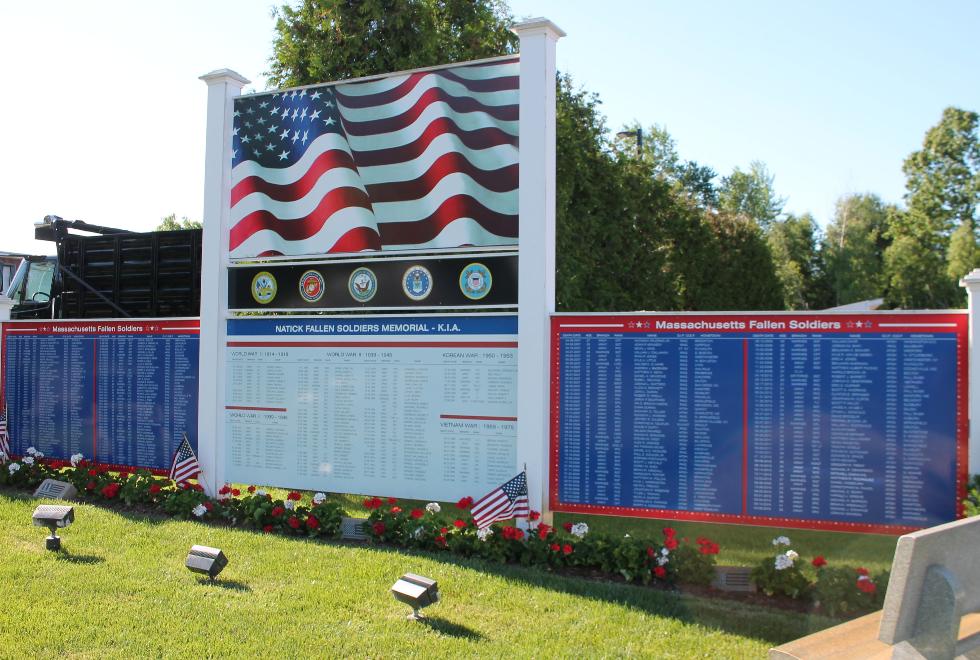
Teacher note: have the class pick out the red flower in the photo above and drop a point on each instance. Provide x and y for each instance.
(251, 489)
(568, 527)
(396, 510)
(198, 487)
(459, 523)
(543, 531)
(154, 489)
(819, 561)
(533, 515)
(93, 473)
(417, 513)
(392, 500)
(867, 586)
(277, 511)
(235, 492)
(378, 528)
(110, 490)
(90, 485)
(670, 532)
(861, 571)
(184, 486)
(372, 503)
(312, 522)
(208, 505)
(294, 496)
(444, 530)
(707, 546)
(660, 571)
(513, 533)
(555, 547)
(465, 503)
(441, 540)
(293, 522)
(651, 552)
(567, 549)
(224, 490)
(267, 528)
(124, 475)
(518, 533)
(670, 543)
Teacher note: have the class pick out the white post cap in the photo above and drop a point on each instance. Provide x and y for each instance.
(539, 24)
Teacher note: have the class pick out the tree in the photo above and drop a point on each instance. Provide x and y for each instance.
(943, 191)
(325, 40)
(742, 270)
(964, 253)
(752, 194)
(854, 248)
(794, 244)
(943, 178)
(171, 223)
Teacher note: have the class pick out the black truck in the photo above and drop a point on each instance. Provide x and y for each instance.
(106, 273)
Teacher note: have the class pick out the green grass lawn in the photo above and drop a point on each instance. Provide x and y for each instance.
(120, 590)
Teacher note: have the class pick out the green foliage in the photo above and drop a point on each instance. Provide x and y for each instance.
(170, 223)
(27, 472)
(326, 40)
(964, 253)
(738, 255)
(791, 581)
(971, 505)
(751, 194)
(854, 248)
(794, 244)
(838, 591)
(915, 270)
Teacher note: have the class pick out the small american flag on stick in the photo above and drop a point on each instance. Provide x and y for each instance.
(4, 436)
(502, 503)
(185, 466)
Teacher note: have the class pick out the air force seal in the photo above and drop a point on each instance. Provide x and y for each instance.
(311, 286)
(417, 282)
(362, 284)
(264, 287)
(475, 281)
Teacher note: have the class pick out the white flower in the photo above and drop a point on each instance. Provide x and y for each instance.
(199, 510)
(484, 534)
(28, 460)
(13, 467)
(664, 551)
(662, 560)
(780, 540)
(76, 459)
(864, 577)
(626, 536)
(261, 493)
(319, 498)
(290, 505)
(433, 507)
(31, 451)
(39, 454)
(792, 555)
(783, 562)
(418, 532)
(580, 529)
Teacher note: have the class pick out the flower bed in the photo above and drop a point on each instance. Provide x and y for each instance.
(668, 560)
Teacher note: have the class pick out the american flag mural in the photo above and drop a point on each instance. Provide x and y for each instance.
(424, 159)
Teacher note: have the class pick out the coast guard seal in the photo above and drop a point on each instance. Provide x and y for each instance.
(311, 286)
(362, 284)
(417, 282)
(475, 281)
(264, 287)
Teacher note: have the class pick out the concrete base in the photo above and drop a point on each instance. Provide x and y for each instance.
(853, 639)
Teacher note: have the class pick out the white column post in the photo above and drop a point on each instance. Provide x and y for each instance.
(536, 252)
(972, 284)
(6, 304)
(223, 86)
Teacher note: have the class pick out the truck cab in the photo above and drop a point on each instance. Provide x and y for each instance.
(31, 288)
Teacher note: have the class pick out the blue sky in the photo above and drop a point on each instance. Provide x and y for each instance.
(104, 115)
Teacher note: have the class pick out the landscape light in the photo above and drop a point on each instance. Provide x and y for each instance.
(416, 592)
(205, 560)
(53, 516)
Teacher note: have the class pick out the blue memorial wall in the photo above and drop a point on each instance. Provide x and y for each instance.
(831, 421)
(121, 392)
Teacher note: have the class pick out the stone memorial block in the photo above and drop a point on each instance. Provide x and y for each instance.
(56, 490)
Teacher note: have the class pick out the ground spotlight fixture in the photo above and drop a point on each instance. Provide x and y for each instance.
(53, 516)
(205, 560)
(416, 592)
